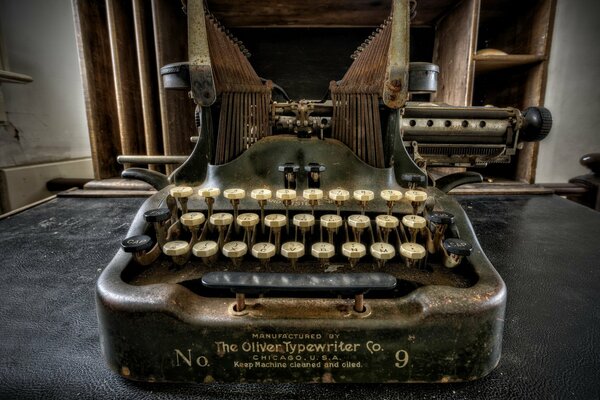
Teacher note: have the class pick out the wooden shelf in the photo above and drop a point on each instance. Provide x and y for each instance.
(487, 63)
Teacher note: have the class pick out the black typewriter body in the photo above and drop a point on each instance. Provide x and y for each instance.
(160, 323)
(305, 241)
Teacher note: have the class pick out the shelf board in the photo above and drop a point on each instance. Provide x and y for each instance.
(487, 63)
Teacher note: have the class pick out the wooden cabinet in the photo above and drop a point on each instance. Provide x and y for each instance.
(513, 76)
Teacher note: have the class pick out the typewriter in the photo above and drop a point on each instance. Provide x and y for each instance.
(303, 241)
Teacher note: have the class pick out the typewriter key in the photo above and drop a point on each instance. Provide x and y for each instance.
(358, 223)
(178, 250)
(339, 196)
(263, 251)
(221, 221)
(363, 197)
(286, 196)
(235, 251)
(391, 197)
(354, 251)
(382, 252)
(193, 220)
(455, 250)
(304, 222)
(248, 221)
(209, 194)
(386, 224)
(275, 222)
(412, 253)
(440, 221)
(292, 251)
(139, 246)
(313, 196)
(157, 217)
(322, 251)
(234, 196)
(261, 195)
(331, 222)
(207, 250)
(417, 199)
(181, 193)
(414, 223)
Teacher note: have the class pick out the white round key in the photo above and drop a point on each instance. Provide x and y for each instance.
(192, 219)
(312, 194)
(292, 249)
(181, 192)
(359, 221)
(339, 195)
(234, 194)
(261, 194)
(363, 195)
(209, 192)
(414, 221)
(221, 219)
(285, 194)
(263, 251)
(412, 251)
(322, 250)
(234, 249)
(387, 221)
(354, 250)
(383, 251)
(206, 248)
(248, 219)
(415, 195)
(176, 248)
(275, 220)
(331, 221)
(391, 195)
(304, 220)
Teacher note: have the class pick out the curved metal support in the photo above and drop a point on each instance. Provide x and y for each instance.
(156, 179)
(194, 170)
(401, 160)
(449, 182)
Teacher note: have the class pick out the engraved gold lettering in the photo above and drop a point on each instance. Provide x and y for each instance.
(402, 358)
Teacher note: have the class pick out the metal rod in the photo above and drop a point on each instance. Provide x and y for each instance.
(123, 159)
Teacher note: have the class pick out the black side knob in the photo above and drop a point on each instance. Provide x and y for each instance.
(157, 215)
(137, 243)
(458, 246)
(591, 161)
(537, 124)
(441, 217)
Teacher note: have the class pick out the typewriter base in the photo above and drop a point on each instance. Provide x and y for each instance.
(209, 348)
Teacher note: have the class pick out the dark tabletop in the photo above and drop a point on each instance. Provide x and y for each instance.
(546, 248)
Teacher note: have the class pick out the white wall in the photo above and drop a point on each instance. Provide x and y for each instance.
(573, 91)
(47, 116)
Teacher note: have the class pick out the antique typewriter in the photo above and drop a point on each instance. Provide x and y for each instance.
(303, 241)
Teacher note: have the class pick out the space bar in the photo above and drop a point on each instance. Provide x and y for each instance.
(257, 282)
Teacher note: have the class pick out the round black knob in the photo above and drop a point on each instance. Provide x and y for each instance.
(591, 161)
(441, 217)
(458, 246)
(537, 124)
(157, 215)
(137, 243)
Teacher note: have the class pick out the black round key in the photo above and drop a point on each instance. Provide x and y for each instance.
(157, 215)
(458, 246)
(136, 243)
(441, 217)
(413, 178)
